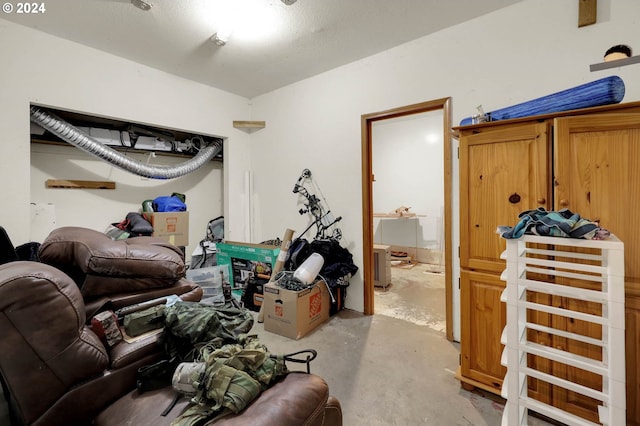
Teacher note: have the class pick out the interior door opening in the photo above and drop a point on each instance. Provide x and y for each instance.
(368, 122)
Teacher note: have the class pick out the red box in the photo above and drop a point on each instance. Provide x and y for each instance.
(105, 325)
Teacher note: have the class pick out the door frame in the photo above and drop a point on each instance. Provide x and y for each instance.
(366, 122)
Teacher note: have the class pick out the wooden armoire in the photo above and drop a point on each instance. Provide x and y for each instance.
(587, 161)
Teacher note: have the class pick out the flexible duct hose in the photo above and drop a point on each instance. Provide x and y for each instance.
(75, 137)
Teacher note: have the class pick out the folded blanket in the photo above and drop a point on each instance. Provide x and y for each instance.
(563, 223)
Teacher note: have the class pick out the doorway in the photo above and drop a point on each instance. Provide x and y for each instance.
(367, 123)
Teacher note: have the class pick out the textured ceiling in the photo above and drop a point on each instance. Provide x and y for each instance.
(303, 39)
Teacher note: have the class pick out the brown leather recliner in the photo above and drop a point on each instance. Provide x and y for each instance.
(113, 274)
(56, 371)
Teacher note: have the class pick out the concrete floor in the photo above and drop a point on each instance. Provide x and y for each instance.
(395, 367)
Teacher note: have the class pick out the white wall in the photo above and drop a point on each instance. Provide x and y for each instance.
(408, 166)
(45, 70)
(526, 51)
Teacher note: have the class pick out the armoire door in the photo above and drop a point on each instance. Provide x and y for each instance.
(597, 175)
(483, 317)
(503, 172)
(569, 401)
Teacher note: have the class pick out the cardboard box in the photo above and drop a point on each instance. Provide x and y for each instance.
(247, 260)
(294, 314)
(258, 298)
(171, 226)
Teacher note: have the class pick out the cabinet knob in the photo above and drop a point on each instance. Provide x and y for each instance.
(564, 203)
(542, 200)
(514, 198)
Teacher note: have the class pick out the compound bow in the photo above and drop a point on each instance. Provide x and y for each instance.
(319, 209)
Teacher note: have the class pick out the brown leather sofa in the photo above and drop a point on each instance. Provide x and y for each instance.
(56, 371)
(113, 274)
(298, 399)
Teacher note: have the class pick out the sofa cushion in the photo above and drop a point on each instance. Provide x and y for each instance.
(100, 265)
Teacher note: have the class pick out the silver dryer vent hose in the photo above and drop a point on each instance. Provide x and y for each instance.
(75, 137)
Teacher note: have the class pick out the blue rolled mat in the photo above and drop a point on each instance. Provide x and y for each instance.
(608, 90)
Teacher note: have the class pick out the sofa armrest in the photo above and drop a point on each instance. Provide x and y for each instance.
(298, 399)
(333, 412)
(187, 290)
(124, 353)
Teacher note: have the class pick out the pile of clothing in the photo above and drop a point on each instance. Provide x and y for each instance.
(562, 223)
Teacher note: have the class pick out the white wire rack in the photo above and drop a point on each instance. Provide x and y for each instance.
(557, 267)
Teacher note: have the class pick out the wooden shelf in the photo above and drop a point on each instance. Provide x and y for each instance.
(77, 184)
(614, 64)
(249, 126)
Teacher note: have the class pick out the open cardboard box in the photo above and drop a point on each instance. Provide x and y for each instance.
(171, 226)
(294, 314)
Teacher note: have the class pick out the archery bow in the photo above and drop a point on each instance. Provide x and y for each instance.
(323, 218)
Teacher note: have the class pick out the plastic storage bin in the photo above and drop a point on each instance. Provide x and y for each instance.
(210, 279)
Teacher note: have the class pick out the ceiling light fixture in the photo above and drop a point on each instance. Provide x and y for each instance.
(241, 21)
(289, 2)
(219, 39)
(140, 4)
(222, 35)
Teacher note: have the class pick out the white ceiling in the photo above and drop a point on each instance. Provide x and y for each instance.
(306, 38)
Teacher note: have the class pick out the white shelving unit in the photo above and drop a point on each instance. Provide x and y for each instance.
(559, 262)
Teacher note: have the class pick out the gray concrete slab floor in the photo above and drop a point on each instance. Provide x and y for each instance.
(395, 367)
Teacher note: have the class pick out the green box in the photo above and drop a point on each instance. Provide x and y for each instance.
(247, 260)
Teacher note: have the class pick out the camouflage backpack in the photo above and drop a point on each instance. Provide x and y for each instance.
(212, 360)
(191, 325)
(187, 327)
(225, 379)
